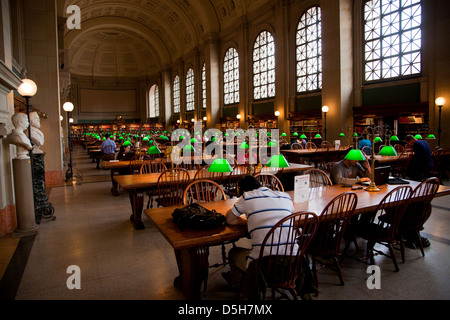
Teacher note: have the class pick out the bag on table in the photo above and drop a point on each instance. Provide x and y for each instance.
(195, 216)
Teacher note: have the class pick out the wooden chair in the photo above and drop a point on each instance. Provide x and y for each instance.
(382, 226)
(325, 145)
(318, 178)
(367, 150)
(332, 224)
(171, 185)
(438, 168)
(189, 166)
(399, 148)
(203, 190)
(155, 166)
(270, 181)
(417, 212)
(399, 168)
(230, 186)
(310, 145)
(203, 173)
(283, 250)
(296, 146)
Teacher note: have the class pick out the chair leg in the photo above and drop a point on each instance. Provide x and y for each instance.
(391, 251)
(419, 240)
(402, 247)
(314, 271)
(338, 269)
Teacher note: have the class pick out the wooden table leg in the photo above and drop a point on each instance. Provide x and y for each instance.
(193, 268)
(137, 203)
(115, 185)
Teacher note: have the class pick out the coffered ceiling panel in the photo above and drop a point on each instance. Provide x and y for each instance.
(133, 38)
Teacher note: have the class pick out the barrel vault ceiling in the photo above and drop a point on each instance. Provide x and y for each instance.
(135, 38)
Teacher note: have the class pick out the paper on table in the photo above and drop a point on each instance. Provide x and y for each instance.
(301, 188)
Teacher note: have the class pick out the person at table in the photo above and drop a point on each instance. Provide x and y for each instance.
(125, 153)
(421, 161)
(364, 142)
(348, 172)
(108, 148)
(260, 208)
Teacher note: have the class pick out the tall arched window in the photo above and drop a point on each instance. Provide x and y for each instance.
(264, 66)
(204, 86)
(309, 51)
(231, 77)
(190, 90)
(392, 39)
(154, 101)
(176, 94)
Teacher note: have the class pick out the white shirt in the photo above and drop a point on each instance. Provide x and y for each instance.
(263, 208)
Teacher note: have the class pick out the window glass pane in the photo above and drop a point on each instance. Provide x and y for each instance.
(231, 77)
(392, 38)
(309, 51)
(264, 66)
(190, 91)
(176, 95)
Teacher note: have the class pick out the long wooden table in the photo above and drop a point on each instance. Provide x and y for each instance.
(190, 245)
(138, 184)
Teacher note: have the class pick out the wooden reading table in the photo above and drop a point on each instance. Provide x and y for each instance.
(190, 246)
(137, 184)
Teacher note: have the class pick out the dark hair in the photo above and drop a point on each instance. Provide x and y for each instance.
(409, 138)
(107, 135)
(248, 183)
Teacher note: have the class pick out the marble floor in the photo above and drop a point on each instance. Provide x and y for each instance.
(92, 231)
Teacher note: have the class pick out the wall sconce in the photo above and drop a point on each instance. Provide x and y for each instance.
(440, 102)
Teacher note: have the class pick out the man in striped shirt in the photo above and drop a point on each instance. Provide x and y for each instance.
(259, 208)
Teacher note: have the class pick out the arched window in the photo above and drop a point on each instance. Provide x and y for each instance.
(392, 39)
(176, 94)
(154, 101)
(264, 66)
(231, 77)
(190, 90)
(204, 86)
(309, 51)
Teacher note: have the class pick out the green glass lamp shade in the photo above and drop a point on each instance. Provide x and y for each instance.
(388, 151)
(220, 165)
(355, 135)
(244, 145)
(284, 134)
(189, 148)
(318, 136)
(303, 136)
(226, 134)
(269, 134)
(355, 154)
(145, 139)
(394, 138)
(295, 134)
(193, 140)
(104, 139)
(377, 139)
(153, 150)
(342, 135)
(272, 144)
(165, 132)
(278, 161)
(431, 136)
(181, 138)
(127, 143)
(418, 137)
(213, 139)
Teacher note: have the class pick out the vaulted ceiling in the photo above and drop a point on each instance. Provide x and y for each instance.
(132, 38)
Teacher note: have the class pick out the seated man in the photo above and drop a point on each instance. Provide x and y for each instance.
(422, 161)
(108, 148)
(259, 208)
(349, 172)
